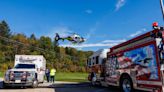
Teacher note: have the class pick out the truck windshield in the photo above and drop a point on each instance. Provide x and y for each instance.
(25, 66)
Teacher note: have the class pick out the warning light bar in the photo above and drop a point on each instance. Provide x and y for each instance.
(155, 25)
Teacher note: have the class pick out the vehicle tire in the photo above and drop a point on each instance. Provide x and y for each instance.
(126, 84)
(5, 86)
(23, 87)
(99, 84)
(93, 81)
(35, 84)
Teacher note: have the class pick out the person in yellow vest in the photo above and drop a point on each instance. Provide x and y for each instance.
(52, 75)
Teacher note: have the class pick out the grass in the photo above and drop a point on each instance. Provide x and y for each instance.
(1, 74)
(71, 77)
(62, 76)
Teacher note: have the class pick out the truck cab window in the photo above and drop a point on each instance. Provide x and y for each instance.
(25, 66)
(97, 59)
(116, 63)
(161, 51)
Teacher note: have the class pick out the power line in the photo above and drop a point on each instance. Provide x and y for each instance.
(37, 48)
(20, 43)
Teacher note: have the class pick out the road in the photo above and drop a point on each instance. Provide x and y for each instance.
(63, 87)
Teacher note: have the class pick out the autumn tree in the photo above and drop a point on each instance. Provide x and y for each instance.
(65, 59)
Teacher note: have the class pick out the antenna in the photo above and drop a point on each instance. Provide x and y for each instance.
(161, 4)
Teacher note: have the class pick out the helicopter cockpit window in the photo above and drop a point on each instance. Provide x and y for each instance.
(76, 37)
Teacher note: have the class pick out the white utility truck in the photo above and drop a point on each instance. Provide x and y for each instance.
(29, 70)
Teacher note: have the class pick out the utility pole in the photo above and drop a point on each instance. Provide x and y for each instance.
(161, 4)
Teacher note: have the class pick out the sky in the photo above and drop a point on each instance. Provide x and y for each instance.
(104, 23)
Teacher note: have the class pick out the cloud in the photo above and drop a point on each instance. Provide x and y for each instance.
(92, 31)
(114, 41)
(106, 43)
(89, 45)
(119, 4)
(61, 30)
(88, 11)
(137, 33)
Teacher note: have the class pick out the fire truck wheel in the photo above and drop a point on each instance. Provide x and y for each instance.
(126, 84)
(93, 81)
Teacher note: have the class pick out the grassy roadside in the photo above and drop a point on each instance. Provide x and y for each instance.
(70, 77)
(1, 74)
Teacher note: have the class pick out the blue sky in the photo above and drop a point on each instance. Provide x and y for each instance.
(103, 23)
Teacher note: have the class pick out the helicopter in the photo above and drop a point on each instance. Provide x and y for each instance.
(74, 38)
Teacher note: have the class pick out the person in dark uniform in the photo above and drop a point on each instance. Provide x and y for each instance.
(93, 74)
(48, 75)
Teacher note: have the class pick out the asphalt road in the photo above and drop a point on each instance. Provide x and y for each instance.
(63, 87)
(83, 87)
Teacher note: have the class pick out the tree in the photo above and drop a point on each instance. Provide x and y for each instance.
(45, 42)
(64, 59)
(55, 45)
(4, 29)
(22, 43)
(33, 43)
(32, 37)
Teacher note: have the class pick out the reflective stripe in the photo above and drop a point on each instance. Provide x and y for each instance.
(52, 72)
(150, 82)
(144, 89)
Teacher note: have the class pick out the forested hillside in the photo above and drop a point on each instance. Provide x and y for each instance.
(64, 59)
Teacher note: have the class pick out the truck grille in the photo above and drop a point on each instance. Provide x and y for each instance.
(17, 75)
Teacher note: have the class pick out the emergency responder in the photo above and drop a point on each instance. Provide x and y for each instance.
(52, 74)
(48, 74)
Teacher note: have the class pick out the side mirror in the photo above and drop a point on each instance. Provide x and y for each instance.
(9, 67)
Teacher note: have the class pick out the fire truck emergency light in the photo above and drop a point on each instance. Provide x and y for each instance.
(155, 25)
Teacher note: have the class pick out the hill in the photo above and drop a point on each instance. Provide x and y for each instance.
(64, 59)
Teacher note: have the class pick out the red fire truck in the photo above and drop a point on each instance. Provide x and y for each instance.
(137, 63)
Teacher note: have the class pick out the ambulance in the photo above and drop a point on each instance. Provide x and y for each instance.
(28, 70)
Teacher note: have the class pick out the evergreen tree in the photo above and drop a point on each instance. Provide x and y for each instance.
(4, 29)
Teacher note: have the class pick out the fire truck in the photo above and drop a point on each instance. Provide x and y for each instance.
(137, 63)
(96, 64)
